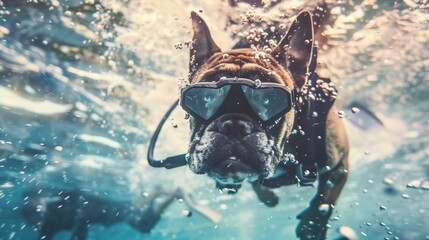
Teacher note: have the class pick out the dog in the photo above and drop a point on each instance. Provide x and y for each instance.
(233, 145)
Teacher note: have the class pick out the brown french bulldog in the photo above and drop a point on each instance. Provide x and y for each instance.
(234, 145)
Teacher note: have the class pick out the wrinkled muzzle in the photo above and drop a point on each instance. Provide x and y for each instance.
(232, 148)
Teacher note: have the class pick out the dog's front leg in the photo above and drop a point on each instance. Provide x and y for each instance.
(313, 220)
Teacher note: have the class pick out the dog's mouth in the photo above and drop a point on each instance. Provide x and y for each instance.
(232, 171)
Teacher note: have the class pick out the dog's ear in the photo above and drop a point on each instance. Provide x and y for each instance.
(202, 46)
(295, 49)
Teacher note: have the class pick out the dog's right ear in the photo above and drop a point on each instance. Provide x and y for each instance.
(202, 46)
(296, 48)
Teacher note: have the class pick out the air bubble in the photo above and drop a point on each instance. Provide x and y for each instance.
(187, 213)
(223, 206)
(413, 184)
(258, 83)
(405, 196)
(387, 181)
(228, 190)
(425, 185)
(324, 209)
(347, 233)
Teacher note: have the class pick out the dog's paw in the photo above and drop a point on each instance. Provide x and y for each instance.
(265, 195)
(312, 224)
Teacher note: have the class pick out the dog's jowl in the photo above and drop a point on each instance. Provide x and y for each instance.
(266, 117)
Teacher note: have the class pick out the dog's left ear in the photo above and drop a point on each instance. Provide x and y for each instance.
(295, 49)
(202, 46)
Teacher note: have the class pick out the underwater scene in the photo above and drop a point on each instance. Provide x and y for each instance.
(84, 85)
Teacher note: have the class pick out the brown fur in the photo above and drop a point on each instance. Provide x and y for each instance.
(288, 65)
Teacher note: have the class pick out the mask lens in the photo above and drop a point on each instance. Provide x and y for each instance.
(267, 102)
(205, 101)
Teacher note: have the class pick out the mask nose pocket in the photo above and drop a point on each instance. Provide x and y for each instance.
(236, 103)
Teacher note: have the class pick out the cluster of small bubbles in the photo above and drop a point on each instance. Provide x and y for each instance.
(260, 55)
(178, 45)
(289, 157)
(272, 44)
(267, 49)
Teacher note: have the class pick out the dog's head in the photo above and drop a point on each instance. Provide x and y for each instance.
(235, 145)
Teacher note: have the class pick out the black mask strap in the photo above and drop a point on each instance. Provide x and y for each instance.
(170, 162)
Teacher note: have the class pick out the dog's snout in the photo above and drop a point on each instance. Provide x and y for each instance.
(236, 128)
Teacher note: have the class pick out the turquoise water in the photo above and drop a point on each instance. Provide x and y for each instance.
(84, 83)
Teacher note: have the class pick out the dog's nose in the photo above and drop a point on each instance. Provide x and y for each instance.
(235, 128)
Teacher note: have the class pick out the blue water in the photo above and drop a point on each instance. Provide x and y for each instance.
(83, 85)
